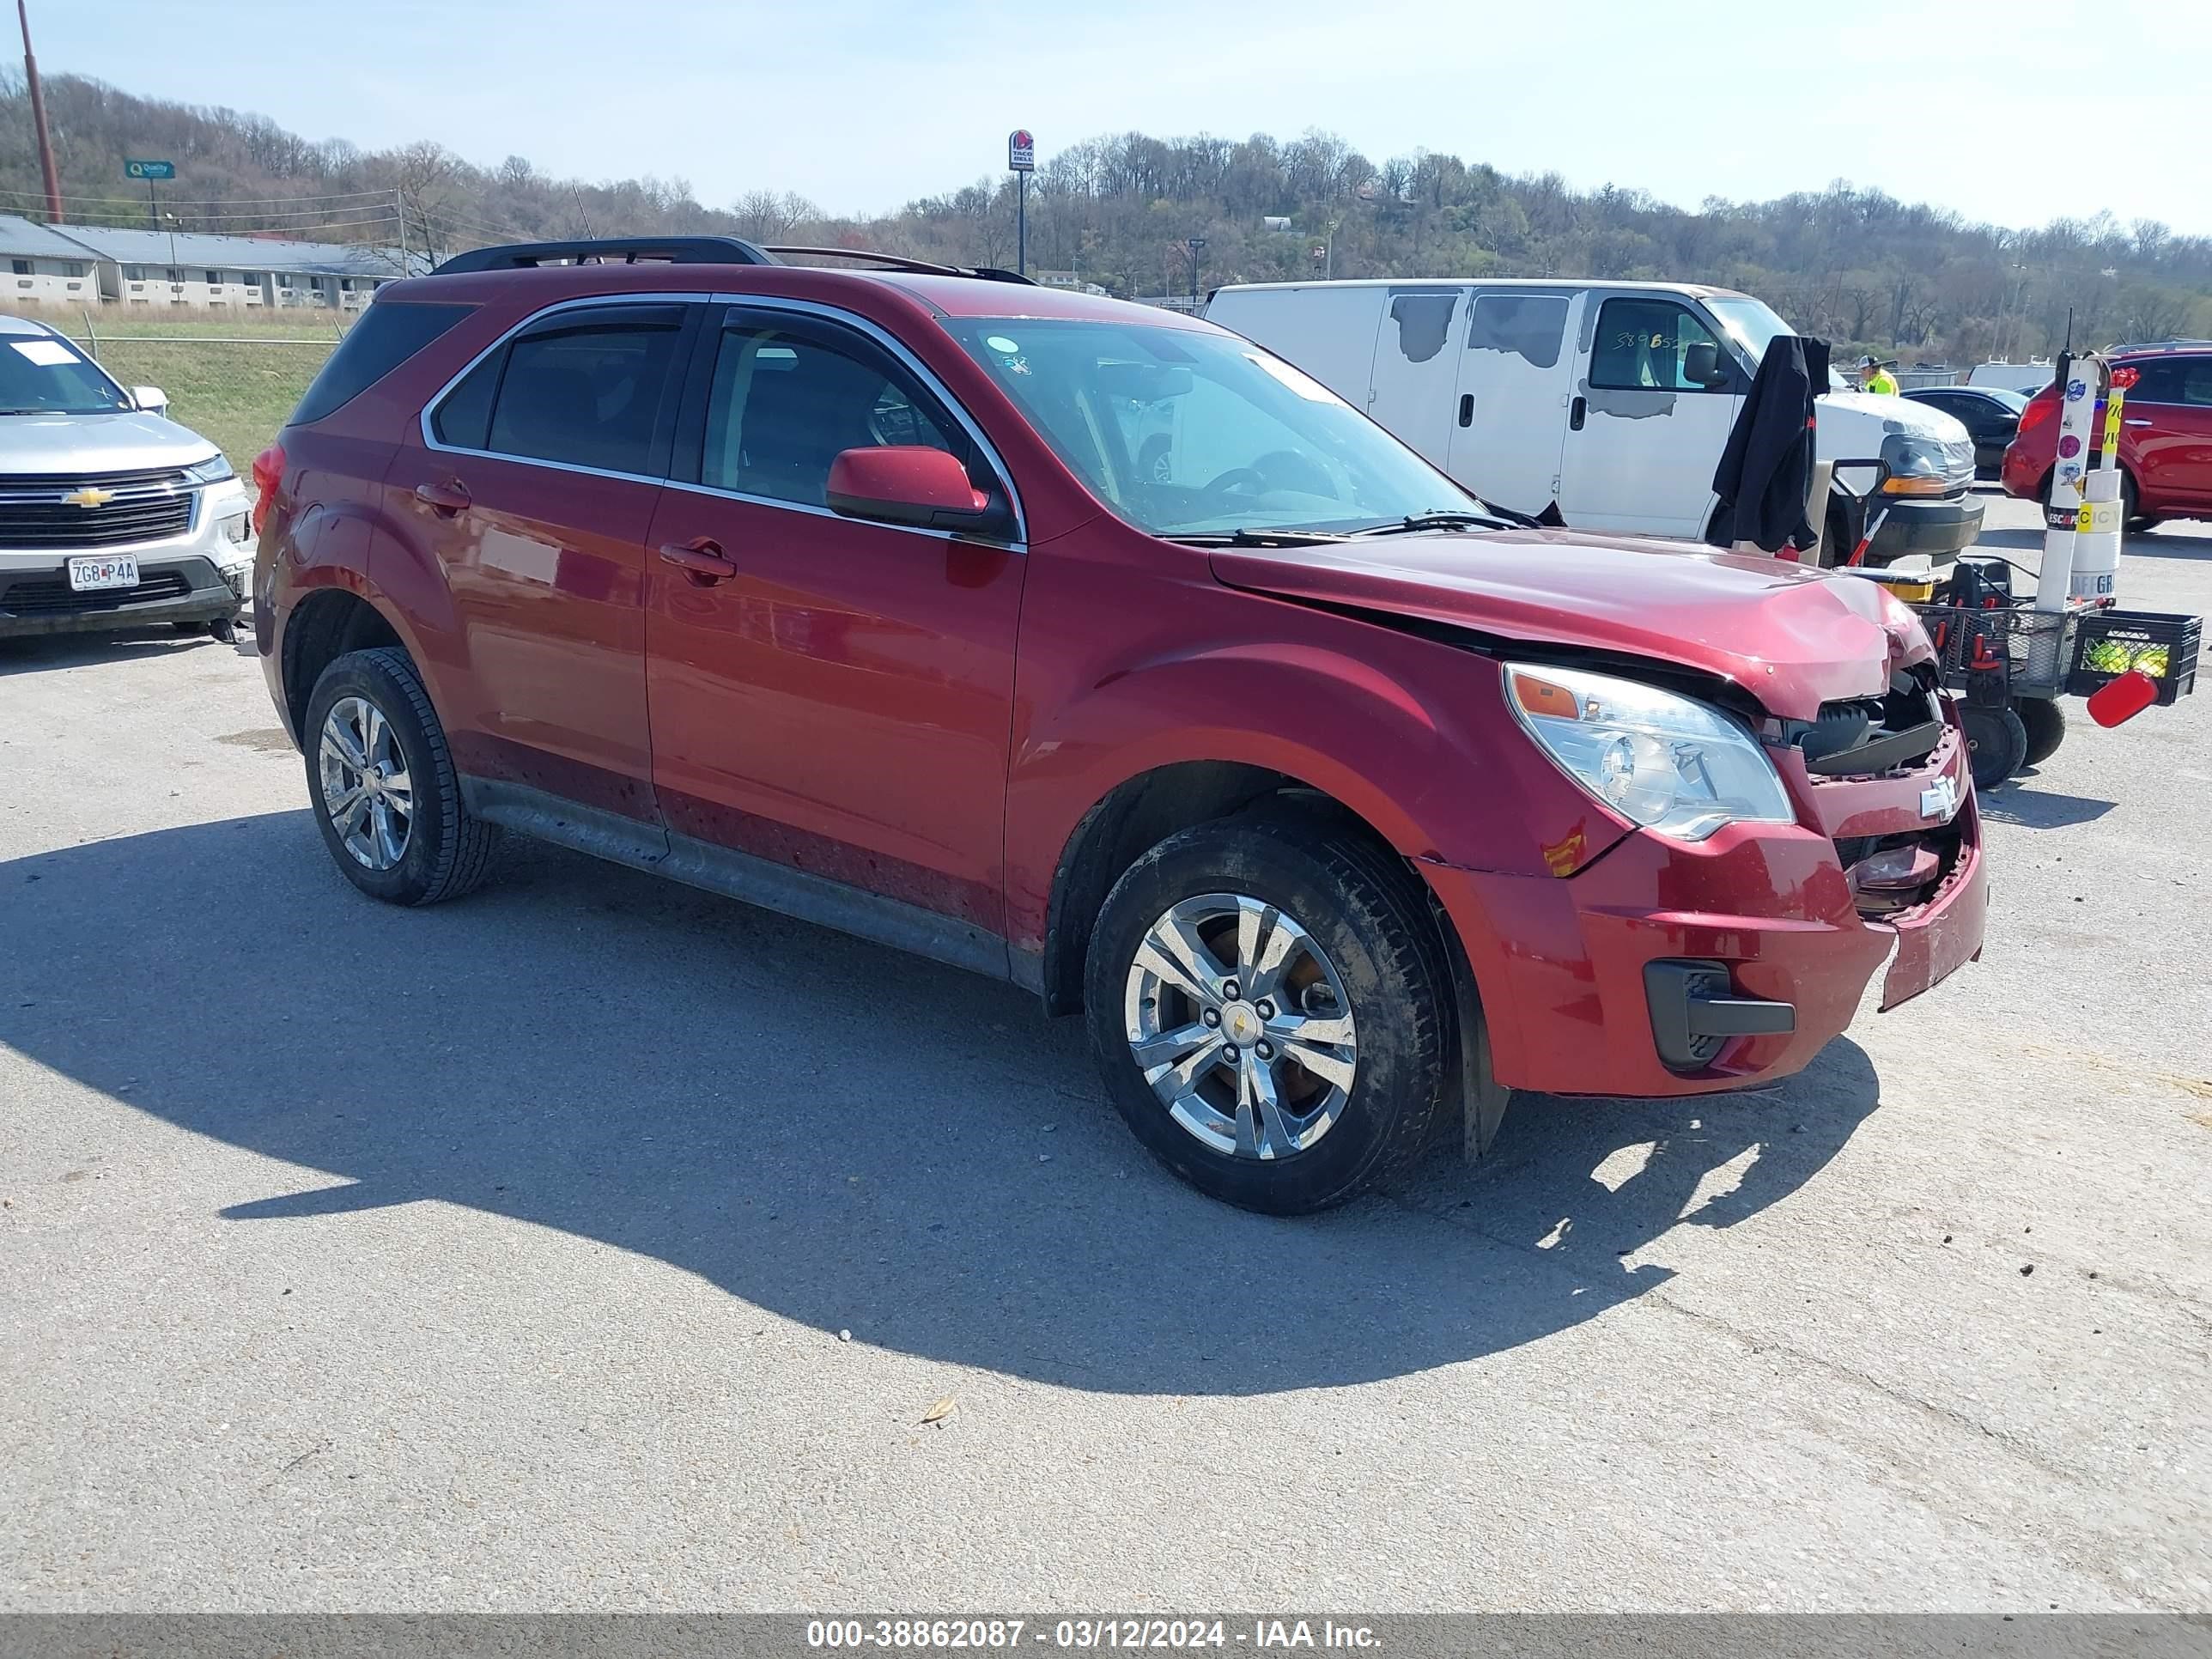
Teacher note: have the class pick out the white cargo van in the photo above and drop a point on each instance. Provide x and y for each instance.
(2029, 378)
(1605, 403)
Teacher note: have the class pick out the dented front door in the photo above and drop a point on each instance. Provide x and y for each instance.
(1642, 439)
(1416, 386)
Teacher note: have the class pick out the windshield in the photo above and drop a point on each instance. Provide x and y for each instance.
(1752, 323)
(40, 374)
(1184, 432)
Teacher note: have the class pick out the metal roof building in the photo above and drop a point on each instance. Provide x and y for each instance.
(100, 264)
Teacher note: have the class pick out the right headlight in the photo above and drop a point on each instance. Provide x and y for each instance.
(1668, 763)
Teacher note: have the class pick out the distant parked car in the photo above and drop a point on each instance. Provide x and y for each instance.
(2166, 437)
(1991, 415)
(111, 516)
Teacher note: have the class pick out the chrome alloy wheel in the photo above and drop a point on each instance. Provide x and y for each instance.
(366, 793)
(1238, 1021)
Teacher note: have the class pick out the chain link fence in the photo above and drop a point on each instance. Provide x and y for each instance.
(235, 389)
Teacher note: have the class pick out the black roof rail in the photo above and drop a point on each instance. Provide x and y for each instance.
(900, 262)
(611, 249)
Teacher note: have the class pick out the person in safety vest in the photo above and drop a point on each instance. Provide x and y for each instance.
(1875, 376)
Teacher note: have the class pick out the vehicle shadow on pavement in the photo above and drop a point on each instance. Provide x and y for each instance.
(38, 654)
(834, 1131)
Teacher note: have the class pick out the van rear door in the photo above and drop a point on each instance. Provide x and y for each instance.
(1643, 438)
(1516, 374)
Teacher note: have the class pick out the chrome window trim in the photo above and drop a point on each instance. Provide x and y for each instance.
(881, 337)
(914, 365)
(432, 441)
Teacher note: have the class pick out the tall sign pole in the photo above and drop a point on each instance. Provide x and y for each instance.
(39, 118)
(1021, 162)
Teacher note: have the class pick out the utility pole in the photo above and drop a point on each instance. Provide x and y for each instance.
(39, 118)
(1197, 246)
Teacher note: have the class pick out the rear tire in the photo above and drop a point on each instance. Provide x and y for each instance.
(382, 784)
(2045, 722)
(1996, 743)
(1360, 970)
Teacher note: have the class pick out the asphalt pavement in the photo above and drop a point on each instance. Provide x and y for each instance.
(593, 1243)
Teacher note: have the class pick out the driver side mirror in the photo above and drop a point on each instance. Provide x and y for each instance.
(905, 484)
(149, 399)
(1702, 366)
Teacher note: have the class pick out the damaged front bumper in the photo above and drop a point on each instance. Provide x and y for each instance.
(1668, 968)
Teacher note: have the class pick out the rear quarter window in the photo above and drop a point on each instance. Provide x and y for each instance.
(387, 335)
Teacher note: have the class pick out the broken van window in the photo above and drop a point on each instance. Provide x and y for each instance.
(1532, 326)
(1424, 317)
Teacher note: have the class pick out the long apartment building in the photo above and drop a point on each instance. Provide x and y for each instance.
(88, 265)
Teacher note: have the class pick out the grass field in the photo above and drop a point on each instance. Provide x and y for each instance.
(232, 378)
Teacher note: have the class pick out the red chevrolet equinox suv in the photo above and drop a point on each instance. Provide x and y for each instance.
(1335, 800)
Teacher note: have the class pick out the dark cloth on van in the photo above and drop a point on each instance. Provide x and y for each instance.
(1766, 467)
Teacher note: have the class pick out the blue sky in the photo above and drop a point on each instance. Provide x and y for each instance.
(862, 104)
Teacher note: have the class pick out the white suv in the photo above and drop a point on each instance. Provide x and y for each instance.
(111, 516)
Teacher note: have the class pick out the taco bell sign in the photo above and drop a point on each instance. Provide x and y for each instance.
(1021, 151)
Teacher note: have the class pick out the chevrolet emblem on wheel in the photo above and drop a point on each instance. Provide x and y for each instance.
(89, 497)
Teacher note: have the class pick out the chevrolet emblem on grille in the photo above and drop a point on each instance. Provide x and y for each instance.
(88, 496)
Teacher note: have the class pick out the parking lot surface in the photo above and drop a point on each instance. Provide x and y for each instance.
(503, 1256)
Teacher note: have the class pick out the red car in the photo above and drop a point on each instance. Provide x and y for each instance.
(2165, 436)
(1333, 799)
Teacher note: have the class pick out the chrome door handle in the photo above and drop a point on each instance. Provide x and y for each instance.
(2131, 421)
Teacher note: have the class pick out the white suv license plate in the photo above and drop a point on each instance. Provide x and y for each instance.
(86, 575)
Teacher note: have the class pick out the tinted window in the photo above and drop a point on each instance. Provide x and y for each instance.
(385, 337)
(1639, 346)
(788, 396)
(2174, 380)
(465, 416)
(589, 395)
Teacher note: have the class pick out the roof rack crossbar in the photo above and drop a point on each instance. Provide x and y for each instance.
(899, 262)
(611, 249)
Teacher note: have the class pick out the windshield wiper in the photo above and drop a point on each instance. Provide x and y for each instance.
(1259, 538)
(1493, 517)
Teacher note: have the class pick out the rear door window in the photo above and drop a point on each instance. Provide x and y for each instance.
(2180, 380)
(588, 389)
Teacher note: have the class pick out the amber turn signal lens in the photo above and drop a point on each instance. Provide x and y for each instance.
(1542, 697)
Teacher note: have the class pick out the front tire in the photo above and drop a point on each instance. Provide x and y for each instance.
(1268, 1001)
(382, 784)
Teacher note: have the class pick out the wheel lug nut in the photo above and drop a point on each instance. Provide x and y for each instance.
(1266, 1051)
(1229, 989)
(1230, 1054)
(1265, 1009)
(1212, 1016)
